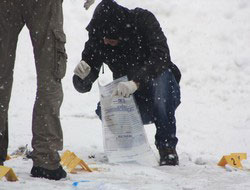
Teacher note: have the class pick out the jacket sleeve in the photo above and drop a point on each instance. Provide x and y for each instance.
(159, 58)
(92, 56)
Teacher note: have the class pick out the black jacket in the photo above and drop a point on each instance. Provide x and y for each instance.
(142, 53)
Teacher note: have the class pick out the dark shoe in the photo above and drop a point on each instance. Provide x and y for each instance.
(49, 174)
(169, 157)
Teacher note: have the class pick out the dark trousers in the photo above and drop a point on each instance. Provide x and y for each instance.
(44, 19)
(157, 103)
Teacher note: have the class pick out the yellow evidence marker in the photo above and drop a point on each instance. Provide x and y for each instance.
(233, 160)
(70, 160)
(8, 173)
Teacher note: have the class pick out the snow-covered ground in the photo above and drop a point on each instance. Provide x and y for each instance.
(209, 41)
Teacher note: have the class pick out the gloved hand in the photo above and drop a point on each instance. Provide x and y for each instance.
(88, 3)
(125, 89)
(82, 70)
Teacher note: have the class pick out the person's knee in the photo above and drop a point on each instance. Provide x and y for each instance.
(49, 98)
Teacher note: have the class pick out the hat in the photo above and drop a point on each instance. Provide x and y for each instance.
(109, 20)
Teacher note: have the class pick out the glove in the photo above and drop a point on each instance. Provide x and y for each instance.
(125, 89)
(82, 70)
(88, 3)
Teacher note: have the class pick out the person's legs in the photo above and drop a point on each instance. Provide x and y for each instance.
(157, 103)
(166, 98)
(4, 141)
(45, 22)
(11, 24)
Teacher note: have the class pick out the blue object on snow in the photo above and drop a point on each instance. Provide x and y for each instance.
(75, 184)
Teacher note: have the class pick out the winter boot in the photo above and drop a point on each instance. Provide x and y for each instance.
(169, 157)
(49, 174)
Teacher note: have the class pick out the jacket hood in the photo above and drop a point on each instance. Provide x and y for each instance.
(110, 20)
